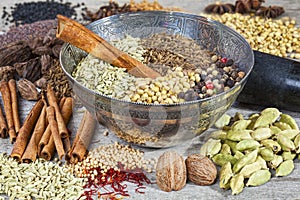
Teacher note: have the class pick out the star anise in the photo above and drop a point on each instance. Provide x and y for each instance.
(219, 8)
(243, 6)
(256, 4)
(270, 12)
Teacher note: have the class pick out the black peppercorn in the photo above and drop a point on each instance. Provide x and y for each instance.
(29, 12)
(230, 83)
(229, 62)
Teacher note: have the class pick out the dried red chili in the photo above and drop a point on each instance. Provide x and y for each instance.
(113, 183)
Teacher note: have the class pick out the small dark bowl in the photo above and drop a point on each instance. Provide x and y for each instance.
(161, 125)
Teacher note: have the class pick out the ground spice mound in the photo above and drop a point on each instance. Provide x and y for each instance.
(27, 31)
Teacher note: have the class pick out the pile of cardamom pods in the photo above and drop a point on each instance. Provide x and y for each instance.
(247, 149)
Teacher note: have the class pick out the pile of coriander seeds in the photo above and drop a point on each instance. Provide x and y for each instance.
(188, 72)
(280, 37)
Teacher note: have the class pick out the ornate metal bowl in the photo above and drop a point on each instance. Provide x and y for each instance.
(161, 125)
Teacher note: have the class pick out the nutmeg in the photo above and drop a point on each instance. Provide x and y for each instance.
(200, 169)
(171, 171)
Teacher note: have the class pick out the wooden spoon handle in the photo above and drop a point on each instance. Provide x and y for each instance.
(78, 35)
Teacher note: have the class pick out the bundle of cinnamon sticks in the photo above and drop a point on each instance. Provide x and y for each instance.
(45, 132)
(11, 125)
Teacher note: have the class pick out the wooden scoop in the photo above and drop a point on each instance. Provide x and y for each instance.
(76, 34)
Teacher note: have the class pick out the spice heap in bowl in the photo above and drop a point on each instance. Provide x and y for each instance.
(203, 66)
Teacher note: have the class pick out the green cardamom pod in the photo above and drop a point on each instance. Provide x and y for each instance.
(259, 177)
(225, 149)
(249, 169)
(287, 155)
(262, 162)
(203, 149)
(238, 155)
(274, 145)
(275, 162)
(224, 120)
(261, 134)
(275, 130)
(214, 147)
(254, 116)
(266, 153)
(238, 135)
(225, 175)
(285, 168)
(237, 184)
(267, 117)
(253, 119)
(282, 126)
(219, 134)
(247, 145)
(238, 116)
(297, 143)
(285, 143)
(290, 133)
(210, 147)
(289, 120)
(245, 160)
(240, 124)
(221, 159)
(232, 145)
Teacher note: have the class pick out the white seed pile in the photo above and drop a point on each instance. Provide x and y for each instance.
(100, 76)
(39, 180)
(112, 156)
(105, 78)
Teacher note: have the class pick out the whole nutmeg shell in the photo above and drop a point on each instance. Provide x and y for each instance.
(171, 171)
(200, 169)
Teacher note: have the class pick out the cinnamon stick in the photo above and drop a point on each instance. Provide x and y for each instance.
(55, 132)
(83, 138)
(31, 151)
(62, 128)
(62, 101)
(47, 146)
(25, 130)
(76, 34)
(14, 104)
(8, 110)
(3, 126)
(66, 112)
(48, 150)
(44, 140)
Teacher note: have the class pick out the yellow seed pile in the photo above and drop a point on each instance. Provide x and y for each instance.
(279, 37)
(164, 90)
(146, 5)
(110, 157)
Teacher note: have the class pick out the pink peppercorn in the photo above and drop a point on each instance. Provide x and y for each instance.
(209, 85)
(224, 60)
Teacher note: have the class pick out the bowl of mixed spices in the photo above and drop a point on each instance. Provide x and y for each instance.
(203, 66)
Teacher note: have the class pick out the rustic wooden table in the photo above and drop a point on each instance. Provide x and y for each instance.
(277, 188)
